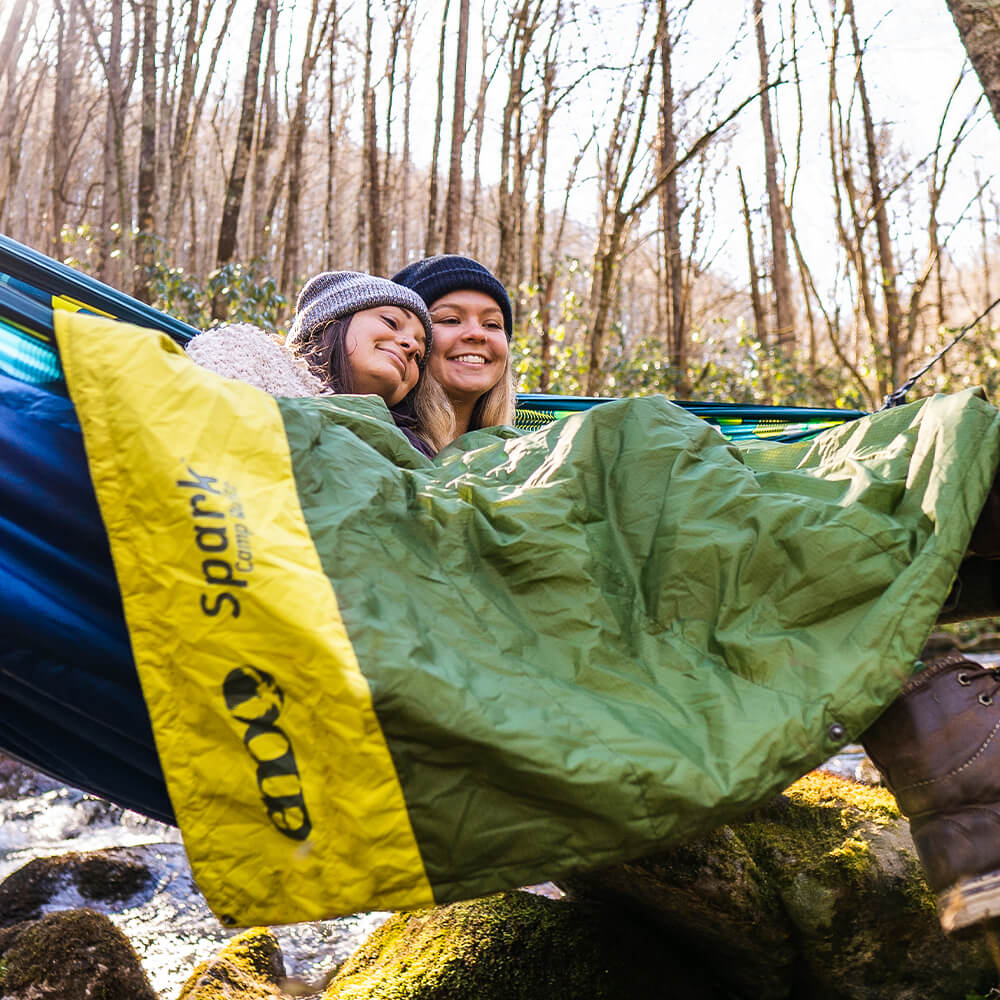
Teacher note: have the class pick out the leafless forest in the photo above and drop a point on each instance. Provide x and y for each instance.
(713, 200)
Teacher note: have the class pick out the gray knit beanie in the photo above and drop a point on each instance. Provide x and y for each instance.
(332, 294)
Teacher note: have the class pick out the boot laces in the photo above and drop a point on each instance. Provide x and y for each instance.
(965, 678)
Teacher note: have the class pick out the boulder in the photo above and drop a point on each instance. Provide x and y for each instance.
(72, 955)
(250, 967)
(817, 895)
(18, 780)
(95, 876)
(516, 946)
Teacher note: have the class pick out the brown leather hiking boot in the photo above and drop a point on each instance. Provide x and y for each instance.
(938, 748)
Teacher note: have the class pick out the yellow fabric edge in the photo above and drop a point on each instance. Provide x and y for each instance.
(220, 580)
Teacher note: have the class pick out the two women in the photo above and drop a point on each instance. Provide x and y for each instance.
(360, 334)
(670, 631)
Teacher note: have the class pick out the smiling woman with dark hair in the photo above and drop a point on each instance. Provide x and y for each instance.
(354, 334)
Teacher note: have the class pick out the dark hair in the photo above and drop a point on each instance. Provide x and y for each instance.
(327, 356)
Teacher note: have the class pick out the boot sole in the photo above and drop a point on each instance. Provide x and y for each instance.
(970, 902)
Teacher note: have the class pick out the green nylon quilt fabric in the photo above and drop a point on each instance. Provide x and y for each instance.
(603, 637)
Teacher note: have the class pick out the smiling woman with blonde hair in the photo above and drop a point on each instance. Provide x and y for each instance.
(472, 320)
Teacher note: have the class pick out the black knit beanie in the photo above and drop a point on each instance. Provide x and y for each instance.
(435, 276)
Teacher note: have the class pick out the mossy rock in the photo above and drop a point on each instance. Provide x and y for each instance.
(72, 955)
(250, 967)
(817, 895)
(98, 876)
(515, 946)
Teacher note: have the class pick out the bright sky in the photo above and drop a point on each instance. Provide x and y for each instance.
(914, 57)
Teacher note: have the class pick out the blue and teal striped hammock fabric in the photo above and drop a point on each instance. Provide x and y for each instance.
(32, 285)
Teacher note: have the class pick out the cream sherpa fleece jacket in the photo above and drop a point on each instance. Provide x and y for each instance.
(245, 352)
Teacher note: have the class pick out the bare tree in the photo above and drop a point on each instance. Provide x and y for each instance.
(265, 143)
(625, 195)
(7, 44)
(453, 201)
(11, 104)
(670, 211)
(978, 25)
(781, 279)
(371, 223)
(406, 165)
(188, 106)
(67, 56)
(241, 157)
(330, 213)
(315, 39)
(146, 185)
(513, 156)
(757, 303)
(431, 238)
(897, 348)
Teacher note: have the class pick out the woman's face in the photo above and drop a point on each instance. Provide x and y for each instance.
(470, 345)
(384, 346)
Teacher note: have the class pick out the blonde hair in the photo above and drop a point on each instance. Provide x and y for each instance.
(496, 406)
(436, 416)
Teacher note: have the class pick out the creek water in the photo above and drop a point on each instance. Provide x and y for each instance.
(169, 924)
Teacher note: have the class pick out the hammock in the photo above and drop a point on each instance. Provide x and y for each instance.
(57, 580)
(32, 285)
(537, 655)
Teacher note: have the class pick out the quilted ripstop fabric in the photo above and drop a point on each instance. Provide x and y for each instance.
(380, 681)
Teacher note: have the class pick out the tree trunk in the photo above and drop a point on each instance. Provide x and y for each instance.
(477, 148)
(241, 156)
(182, 112)
(265, 144)
(978, 24)
(9, 44)
(673, 268)
(386, 184)
(376, 242)
(759, 316)
(453, 201)
(898, 352)
(406, 167)
(985, 245)
(296, 143)
(431, 239)
(187, 118)
(781, 279)
(62, 104)
(330, 214)
(146, 186)
(113, 155)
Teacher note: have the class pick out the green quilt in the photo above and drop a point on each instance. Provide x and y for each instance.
(380, 681)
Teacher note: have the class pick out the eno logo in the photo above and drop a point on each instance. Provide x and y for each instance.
(255, 700)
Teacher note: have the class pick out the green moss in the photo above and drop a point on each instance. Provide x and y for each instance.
(250, 965)
(504, 947)
(916, 890)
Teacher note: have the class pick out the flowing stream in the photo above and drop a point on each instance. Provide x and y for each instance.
(169, 925)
